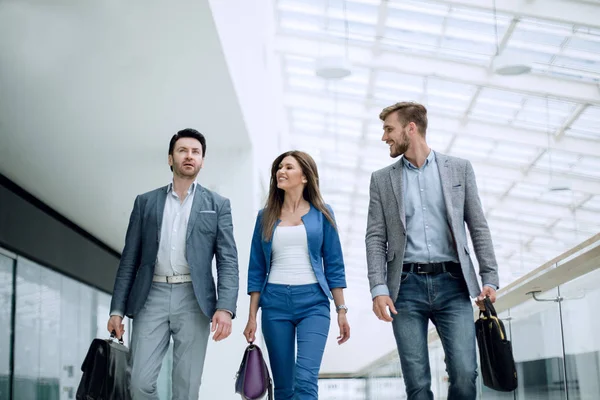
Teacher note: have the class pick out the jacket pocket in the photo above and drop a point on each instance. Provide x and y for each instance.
(207, 222)
(390, 256)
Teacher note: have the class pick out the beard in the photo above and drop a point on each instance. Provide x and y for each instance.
(187, 172)
(399, 149)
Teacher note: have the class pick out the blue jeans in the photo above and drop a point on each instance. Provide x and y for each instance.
(290, 311)
(443, 299)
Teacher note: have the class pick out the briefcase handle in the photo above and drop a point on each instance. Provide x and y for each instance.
(489, 311)
(113, 336)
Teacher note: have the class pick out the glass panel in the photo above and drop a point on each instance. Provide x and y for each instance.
(439, 376)
(56, 320)
(537, 346)
(37, 359)
(6, 294)
(580, 330)
(385, 381)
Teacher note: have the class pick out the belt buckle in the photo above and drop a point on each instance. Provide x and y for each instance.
(419, 269)
(170, 278)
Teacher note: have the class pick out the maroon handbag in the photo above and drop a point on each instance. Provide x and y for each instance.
(253, 380)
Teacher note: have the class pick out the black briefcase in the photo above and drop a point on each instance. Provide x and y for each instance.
(105, 371)
(497, 364)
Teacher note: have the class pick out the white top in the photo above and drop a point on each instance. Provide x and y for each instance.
(290, 261)
(171, 259)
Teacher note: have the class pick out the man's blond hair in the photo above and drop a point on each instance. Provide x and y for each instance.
(408, 111)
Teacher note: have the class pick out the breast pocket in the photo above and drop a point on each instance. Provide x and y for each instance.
(206, 222)
(458, 195)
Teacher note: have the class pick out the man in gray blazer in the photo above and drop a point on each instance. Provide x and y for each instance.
(165, 281)
(419, 263)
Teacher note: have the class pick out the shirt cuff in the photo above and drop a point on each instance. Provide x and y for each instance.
(116, 313)
(491, 285)
(222, 309)
(380, 290)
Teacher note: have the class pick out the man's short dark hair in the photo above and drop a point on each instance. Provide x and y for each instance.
(187, 133)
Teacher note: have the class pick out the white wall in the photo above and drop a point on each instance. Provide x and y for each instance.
(246, 29)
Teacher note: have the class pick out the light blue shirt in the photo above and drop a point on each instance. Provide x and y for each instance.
(428, 235)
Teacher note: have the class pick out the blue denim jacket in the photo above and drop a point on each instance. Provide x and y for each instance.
(324, 248)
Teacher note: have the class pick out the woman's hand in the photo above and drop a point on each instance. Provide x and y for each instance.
(250, 331)
(344, 327)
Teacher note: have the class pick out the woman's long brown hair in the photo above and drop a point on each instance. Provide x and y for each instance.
(311, 192)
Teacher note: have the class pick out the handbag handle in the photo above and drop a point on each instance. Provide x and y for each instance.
(489, 311)
(113, 336)
(489, 307)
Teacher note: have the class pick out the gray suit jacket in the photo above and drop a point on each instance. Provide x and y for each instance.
(209, 233)
(386, 225)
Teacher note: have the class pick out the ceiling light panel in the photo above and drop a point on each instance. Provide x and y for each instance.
(514, 153)
(565, 198)
(478, 145)
(424, 7)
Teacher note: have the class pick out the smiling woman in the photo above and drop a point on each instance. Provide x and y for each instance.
(296, 258)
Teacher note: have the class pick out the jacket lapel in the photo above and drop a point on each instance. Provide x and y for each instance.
(198, 194)
(160, 209)
(446, 178)
(396, 176)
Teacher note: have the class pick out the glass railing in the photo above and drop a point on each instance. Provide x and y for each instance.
(555, 337)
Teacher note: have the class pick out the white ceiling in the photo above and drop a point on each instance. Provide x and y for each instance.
(524, 134)
(91, 92)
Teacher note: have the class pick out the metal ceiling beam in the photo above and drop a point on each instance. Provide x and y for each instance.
(582, 202)
(507, 36)
(576, 114)
(567, 12)
(454, 71)
(314, 102)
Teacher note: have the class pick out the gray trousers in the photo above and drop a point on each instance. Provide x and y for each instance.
(170, 310)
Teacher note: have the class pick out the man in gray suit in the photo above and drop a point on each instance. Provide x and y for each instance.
(165, 281)
(418, 258)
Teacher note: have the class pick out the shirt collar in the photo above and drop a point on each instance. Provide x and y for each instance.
(430, 158)
(191, 189)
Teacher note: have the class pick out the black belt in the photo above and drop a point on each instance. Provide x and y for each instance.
(432, 268)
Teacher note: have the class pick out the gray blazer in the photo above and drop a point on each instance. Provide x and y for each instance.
(386, 225)
(209, 233)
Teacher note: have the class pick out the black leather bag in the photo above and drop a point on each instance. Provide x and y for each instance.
(105, 371)
(497, 364)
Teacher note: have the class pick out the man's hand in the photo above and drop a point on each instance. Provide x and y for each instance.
(487, 291)
(380, 308)
(115, 323)
(221, 325)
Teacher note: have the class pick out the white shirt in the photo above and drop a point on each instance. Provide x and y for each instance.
(290, 260)
(171, 259)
